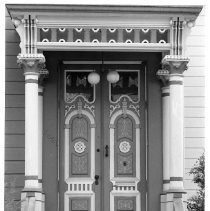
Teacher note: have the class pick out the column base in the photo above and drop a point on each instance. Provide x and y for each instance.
(32, 199)
(173, 201)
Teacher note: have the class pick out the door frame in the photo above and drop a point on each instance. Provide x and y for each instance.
(59, 82)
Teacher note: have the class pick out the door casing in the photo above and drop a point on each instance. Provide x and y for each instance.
(50, 126)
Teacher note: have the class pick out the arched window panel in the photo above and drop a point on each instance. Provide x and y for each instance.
(79, 147)
(125, 147)
(77, 85)
(128, 85)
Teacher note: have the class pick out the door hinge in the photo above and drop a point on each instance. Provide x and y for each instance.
(58, 184)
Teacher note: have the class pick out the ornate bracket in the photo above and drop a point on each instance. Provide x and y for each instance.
(27, 30)
(31, 62)
(175, 63)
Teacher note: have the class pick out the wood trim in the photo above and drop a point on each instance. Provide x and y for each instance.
(45, 8)
(102, 62)
(103, 46)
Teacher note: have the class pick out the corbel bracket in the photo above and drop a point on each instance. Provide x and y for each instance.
(175, 63)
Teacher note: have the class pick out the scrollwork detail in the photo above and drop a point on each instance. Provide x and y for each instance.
(90, 108)
(68, 108)
(113, 108)
(136, 108)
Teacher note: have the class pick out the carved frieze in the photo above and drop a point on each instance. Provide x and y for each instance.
(104, 35)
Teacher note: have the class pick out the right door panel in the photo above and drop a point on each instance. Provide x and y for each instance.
(124, 117)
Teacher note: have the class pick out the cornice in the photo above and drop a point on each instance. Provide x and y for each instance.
(22, 9)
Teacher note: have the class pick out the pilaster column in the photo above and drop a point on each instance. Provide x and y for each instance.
(175, 196)
(32, 196)
(40, 129)
(163, 75)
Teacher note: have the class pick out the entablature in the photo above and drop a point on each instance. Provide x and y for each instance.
(97, 27)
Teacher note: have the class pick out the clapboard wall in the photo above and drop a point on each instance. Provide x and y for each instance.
(14, 111)
(194, 99)
(14, 120)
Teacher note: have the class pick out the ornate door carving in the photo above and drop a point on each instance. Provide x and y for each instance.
(102, 141)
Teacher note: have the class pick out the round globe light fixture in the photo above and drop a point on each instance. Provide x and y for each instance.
(113, 76)
(93, 78)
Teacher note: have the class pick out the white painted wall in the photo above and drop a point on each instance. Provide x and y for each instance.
(194, 99)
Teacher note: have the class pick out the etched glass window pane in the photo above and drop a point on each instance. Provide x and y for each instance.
(128, 85)
(76, 84)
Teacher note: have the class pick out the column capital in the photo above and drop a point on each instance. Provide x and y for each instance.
(175, 64)
(163, 75)
(31, 62)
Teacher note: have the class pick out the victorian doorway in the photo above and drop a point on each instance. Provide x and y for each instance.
(102, 136)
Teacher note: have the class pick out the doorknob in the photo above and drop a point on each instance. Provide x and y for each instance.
(106, 151)
(96, 179)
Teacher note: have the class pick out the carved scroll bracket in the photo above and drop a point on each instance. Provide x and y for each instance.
(124, 105)
(79, 106)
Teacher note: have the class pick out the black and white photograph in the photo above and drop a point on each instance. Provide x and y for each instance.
(104, 107)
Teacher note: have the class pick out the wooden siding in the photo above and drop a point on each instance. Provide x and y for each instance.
(14, 120)
(194, 101)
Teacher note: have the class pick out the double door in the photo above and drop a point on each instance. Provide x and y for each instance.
(103, 148)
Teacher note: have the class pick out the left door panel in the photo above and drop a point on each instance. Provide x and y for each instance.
(79, 142)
